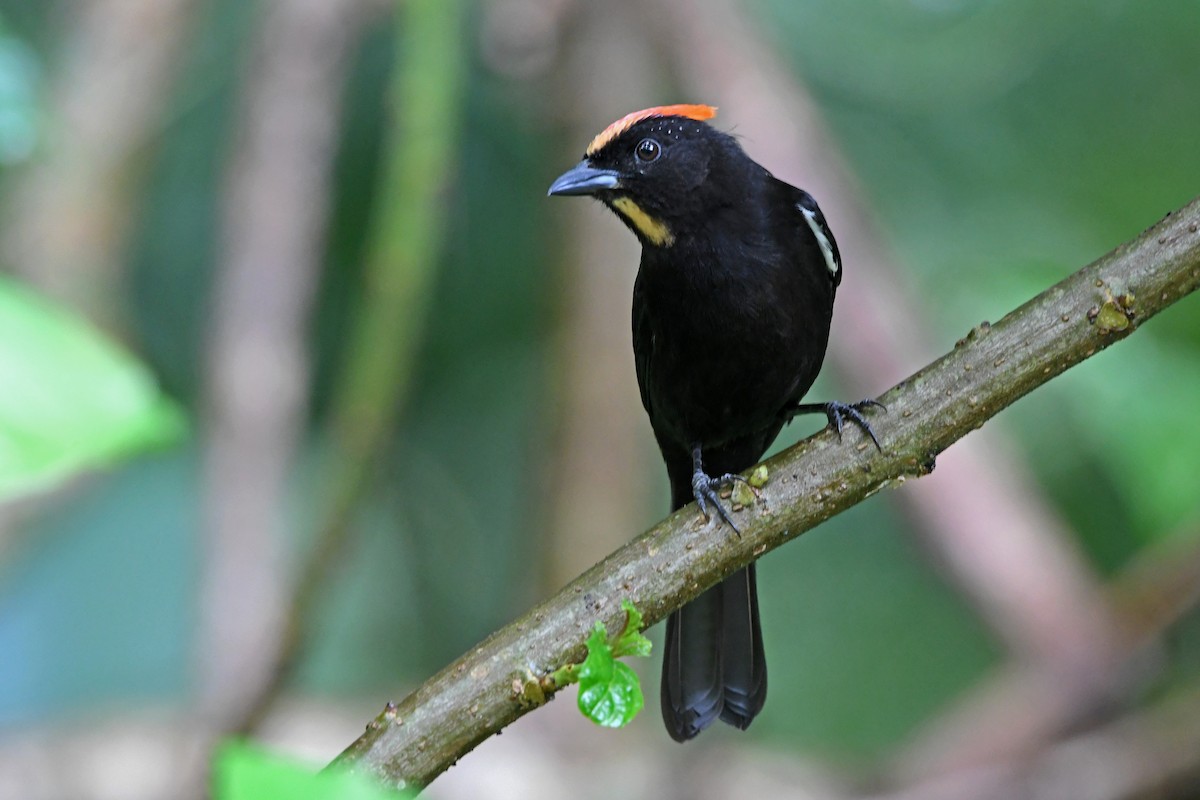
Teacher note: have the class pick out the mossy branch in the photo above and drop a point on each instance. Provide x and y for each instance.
(411, 743)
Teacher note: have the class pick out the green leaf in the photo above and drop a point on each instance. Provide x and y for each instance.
(631, 642)
(609, 691)
(245, 772)
(71, 399)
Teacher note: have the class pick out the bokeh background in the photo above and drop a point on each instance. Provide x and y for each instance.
(399, 403)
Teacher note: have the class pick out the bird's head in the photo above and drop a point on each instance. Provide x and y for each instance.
(661, 170)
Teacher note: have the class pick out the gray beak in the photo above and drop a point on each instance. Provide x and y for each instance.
(583, 178)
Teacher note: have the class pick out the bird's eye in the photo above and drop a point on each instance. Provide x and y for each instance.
(647, 150)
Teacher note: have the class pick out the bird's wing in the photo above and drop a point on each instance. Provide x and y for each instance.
(814, 225)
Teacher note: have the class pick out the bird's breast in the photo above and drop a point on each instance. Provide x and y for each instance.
(729, 346)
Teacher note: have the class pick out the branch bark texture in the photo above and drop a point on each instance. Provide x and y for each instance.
(409, 744)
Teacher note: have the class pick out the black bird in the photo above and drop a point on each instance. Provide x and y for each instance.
(731, 313)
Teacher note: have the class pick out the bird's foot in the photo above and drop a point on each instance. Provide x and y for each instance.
(838, 413)
(707, 491)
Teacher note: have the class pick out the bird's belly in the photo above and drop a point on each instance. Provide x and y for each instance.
(718, 391)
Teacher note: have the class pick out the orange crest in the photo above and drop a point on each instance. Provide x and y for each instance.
(626, 122)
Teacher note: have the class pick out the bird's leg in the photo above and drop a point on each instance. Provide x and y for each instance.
(704, 488)
(837, 414)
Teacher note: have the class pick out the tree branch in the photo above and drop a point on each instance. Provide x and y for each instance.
(409, 744)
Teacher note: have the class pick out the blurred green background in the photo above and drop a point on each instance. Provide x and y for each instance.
(999, 145)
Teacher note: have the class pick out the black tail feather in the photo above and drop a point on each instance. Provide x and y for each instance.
(713, 663)
(744, 667)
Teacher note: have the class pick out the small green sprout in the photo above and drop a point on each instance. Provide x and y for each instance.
(609, 691)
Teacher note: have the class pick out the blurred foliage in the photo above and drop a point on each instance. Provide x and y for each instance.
(862, 639)
(1002, 143)
(1005, 144)
(99, 603)
(175, 241)
(71, 399)
(245, 772)
(20, 76)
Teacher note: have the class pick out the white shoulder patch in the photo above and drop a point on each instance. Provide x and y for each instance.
(831, 262)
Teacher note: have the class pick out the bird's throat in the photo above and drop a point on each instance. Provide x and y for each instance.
(654, 230)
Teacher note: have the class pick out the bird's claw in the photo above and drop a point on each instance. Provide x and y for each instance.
(838, 413)
(705, 490)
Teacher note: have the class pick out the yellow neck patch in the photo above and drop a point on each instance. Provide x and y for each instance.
(653, 229)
